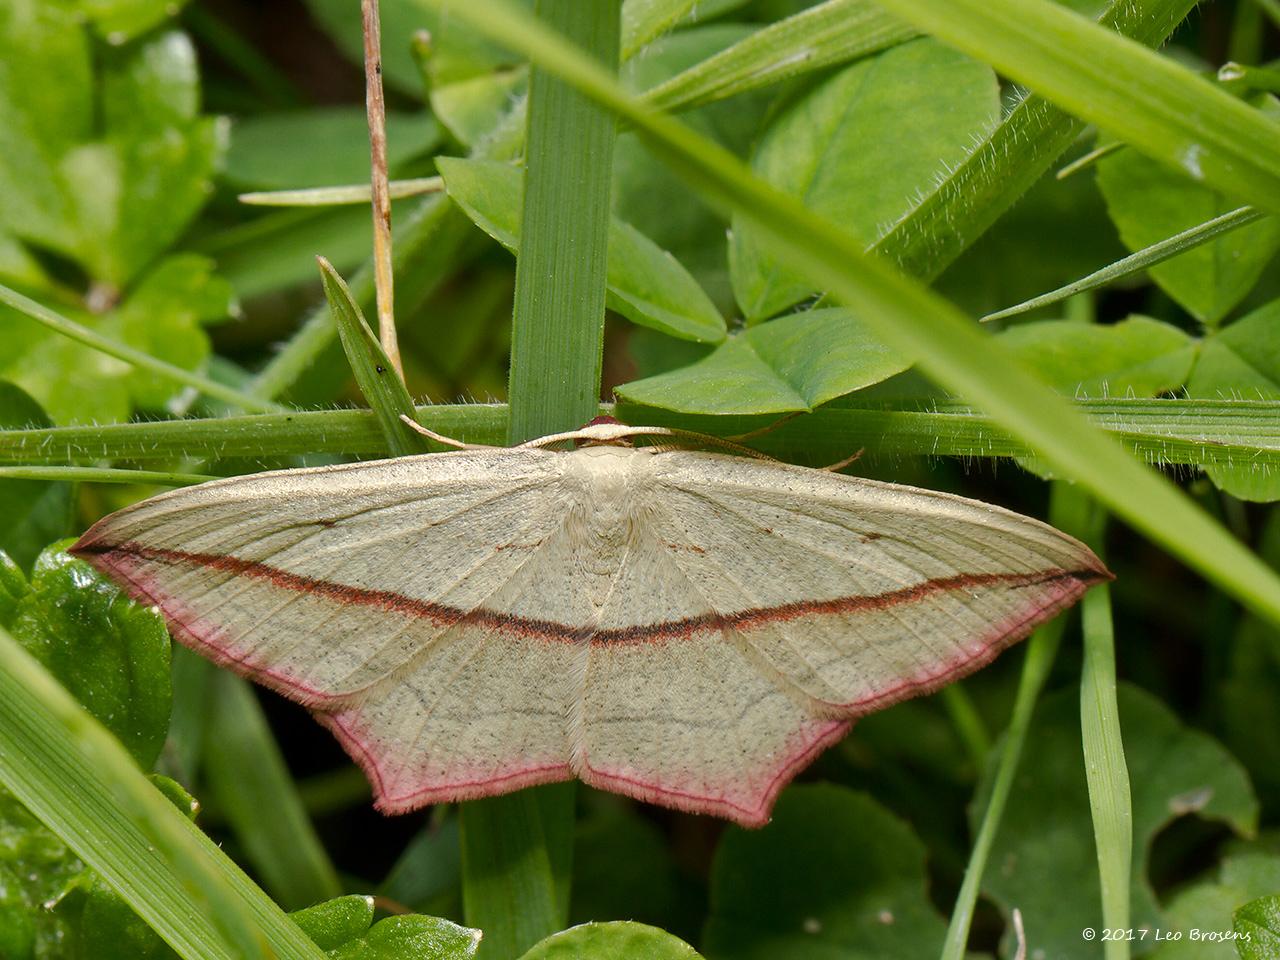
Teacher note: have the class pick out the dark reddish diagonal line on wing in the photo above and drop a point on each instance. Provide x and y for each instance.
(553, 630)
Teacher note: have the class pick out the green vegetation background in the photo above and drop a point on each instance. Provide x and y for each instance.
(153, 330)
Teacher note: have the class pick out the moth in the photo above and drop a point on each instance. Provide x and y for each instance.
(687, 627)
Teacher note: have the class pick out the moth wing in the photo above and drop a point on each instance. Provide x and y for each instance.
(820, 598)
(355, 590)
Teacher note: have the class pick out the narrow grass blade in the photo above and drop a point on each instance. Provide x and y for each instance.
(643, 21)
(104, 475)
(338, 196)
(122, 351)
(1089, 159)
(829, 33)
(1104, 762)
(374, 373)
(517, 849)
(1165, 432)
(73, 775)
(910, 318)
(1145, 99)
(1041, 650)
(1135, 262)
(247, 775)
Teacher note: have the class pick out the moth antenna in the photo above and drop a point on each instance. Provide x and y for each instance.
(767, 428)
(440, 437)
(841, 464)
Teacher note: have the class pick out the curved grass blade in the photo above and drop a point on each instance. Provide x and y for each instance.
(104, 475)
(122, 351)
(911, 319)
(337, 196)
(78, 779)
(833, 32)
(1135, 262)
(1147, 100)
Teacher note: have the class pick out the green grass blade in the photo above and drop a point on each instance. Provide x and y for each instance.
(73, 775)
(122, 351)
(643, 21)
(1041, 650)
(103, 475)
(969, 199)
(829, 33)
(1145, 99)
(247, 775)
(375, 374)
(1169, 431)
(337, 196)
(910, 318)
(1104, 763)
(1135, 262)
(517, 849)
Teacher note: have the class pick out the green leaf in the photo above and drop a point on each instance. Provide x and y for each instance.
(618, 940)
(1052, 875)
(835, 875)
(645, 283)
(921, 104)
(114, 197)
(110, 652)
(413, 937)
(1259, 921)
(378, 379)
(1205, 908)
(320, 147)
(1149, 101)
(1242, 360)
(35, 868)
(1136, 357)
(645, 20)
(77, 778)
(121, 20)
(473, 108)
(335, 922)
(105, 928)
(32, 512)
(793, 363)
(12, 586)
(1150, 202)
(246, 773)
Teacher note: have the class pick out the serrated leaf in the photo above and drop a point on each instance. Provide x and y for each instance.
(1242, 361)
(1051, 875)
(412, 937)
(617, 940)
(835, 875)
(859, 148)
(32, 512)
(645, 283)
(793, 363)
(1136, 357)
(1149, 202)
(110, 652)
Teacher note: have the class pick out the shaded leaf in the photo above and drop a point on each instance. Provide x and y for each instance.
(834, 875)
(471, 108)
(859, 148)
(32, 512)
(1051, 875)
(35, 868)
(793, 363)
(1202, 913)
(1136, 357)
(1242, 361)
(645, 283)
(320, 147)
(112, 654)
(121, 20)
(1149, 202)
(617, 940)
